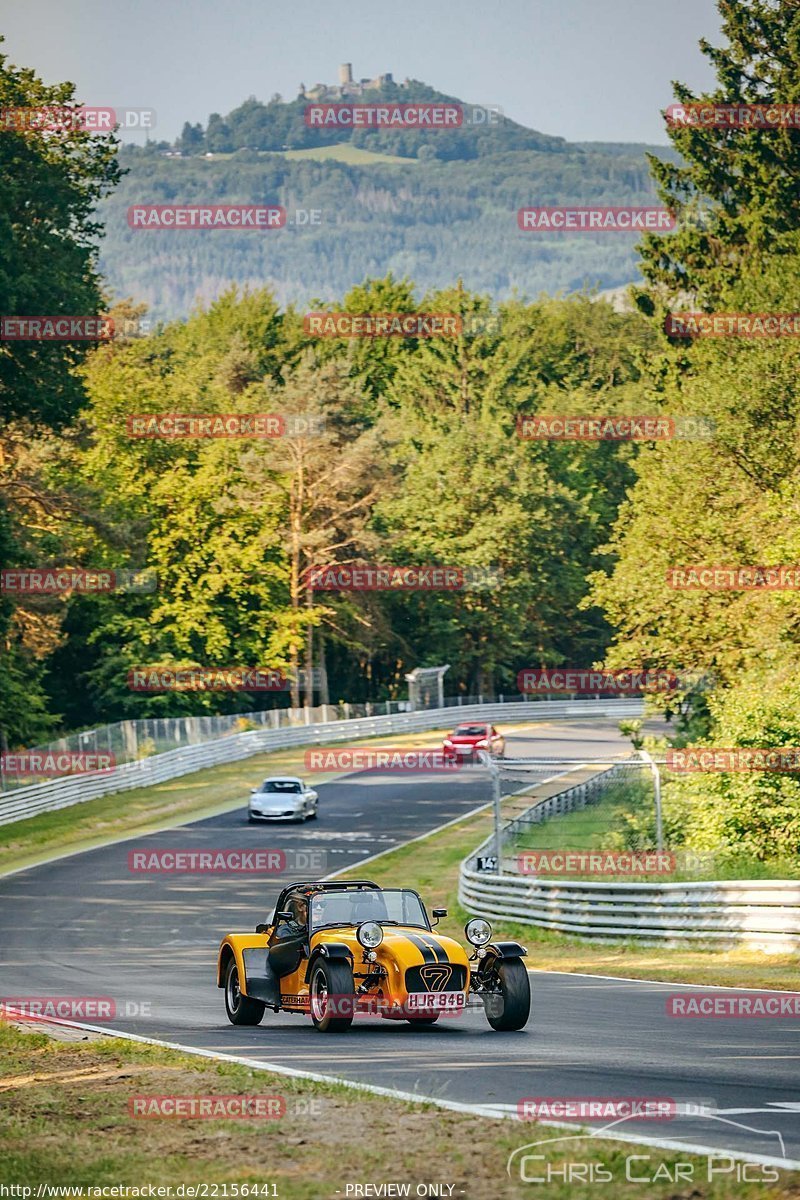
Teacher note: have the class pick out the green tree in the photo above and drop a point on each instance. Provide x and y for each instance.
(734, 190)
(745, 816)
(50, 184)
(192, 139)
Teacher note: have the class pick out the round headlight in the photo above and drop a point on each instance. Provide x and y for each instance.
(369, 935)
(478, 931)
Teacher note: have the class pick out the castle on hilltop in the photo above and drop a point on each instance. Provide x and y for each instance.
(346, 87)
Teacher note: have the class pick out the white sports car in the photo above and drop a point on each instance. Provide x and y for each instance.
(283, 798)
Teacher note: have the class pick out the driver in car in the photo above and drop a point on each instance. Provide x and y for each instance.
(289, 938)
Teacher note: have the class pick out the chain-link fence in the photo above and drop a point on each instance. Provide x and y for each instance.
(130, 741)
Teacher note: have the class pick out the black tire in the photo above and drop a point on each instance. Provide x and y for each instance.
(510, 1008)
(312, 816)
(241, 1009)
(332, 977)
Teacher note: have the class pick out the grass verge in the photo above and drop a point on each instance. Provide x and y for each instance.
(622, 819)
(431, 866)
(65, 1120)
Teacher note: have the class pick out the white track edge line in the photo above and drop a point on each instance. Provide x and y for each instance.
(455, 821)
(674, 983)
(475, 1110)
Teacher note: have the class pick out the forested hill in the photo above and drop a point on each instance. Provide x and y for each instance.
(279, 125)
(372, 202)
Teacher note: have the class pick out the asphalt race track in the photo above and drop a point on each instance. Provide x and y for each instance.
(86, 925)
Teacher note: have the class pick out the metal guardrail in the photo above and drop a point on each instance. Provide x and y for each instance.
(761, 914)
(74, 789)
(142, 737)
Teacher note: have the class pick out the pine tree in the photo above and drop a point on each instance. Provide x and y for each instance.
(735, 194)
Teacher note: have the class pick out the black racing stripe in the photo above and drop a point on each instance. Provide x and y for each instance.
(423, 947)
(437, 948)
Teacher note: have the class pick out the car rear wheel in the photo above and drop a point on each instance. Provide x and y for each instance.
(241, 1009)
(332, 996)
(510, 1007)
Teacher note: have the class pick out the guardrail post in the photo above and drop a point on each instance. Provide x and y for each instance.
(657, 793)
(494, 775)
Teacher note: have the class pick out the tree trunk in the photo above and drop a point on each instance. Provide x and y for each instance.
(309, 689)
(295, 533)
(324, 695)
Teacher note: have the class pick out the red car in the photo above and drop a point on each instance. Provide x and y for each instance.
(465, 742)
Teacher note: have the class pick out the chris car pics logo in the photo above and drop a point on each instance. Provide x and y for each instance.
(580, 1159)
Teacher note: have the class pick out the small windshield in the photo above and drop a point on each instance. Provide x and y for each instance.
(351, 908)
(280, 785)
(470, 731)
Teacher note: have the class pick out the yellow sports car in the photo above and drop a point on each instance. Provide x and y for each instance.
(338, 949)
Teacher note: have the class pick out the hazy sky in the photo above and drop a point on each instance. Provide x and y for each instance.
(588, 70)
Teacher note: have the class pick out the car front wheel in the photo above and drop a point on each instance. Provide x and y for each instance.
(332, 996)
(241, 1009)
(510, 1006)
